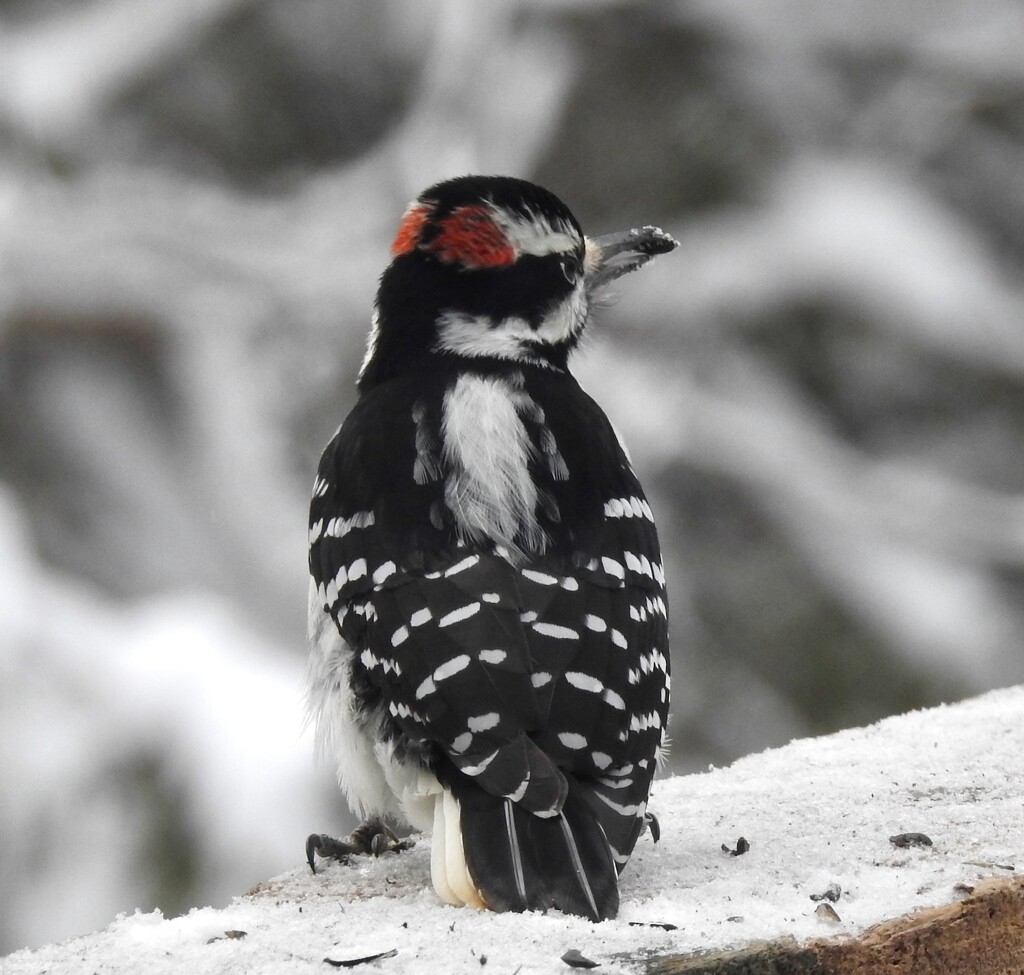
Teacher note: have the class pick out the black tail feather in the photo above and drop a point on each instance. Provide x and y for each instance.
(523, 862)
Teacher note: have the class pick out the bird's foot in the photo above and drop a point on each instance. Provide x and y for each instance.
(369, 838)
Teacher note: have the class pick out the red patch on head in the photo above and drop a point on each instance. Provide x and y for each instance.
(409, 230)
(470, 237)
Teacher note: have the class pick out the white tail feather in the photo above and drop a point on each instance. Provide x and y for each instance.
(448, 870)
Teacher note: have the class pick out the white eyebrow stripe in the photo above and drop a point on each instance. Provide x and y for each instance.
(551, 244)
(535, 235)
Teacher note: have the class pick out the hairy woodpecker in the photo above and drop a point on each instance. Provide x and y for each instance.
(487, 614)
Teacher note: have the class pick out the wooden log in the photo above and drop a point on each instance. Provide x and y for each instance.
(983, 934)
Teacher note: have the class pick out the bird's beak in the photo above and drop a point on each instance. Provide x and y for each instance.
(611, 255)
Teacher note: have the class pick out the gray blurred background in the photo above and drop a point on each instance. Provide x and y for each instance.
(823, 389)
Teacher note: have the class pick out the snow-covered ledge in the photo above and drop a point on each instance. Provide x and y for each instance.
(819, 816)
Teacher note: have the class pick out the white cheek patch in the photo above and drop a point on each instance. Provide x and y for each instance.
(473, 336)
(512, 338)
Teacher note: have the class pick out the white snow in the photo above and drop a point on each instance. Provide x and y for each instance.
(816, 812)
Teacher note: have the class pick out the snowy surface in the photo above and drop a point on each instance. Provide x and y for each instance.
(816, 812)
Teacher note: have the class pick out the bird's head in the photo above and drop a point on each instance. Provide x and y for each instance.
(493, 268)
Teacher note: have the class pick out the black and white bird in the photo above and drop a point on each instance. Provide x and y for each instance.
(487, 614)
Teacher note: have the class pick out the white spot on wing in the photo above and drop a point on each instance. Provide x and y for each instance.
(521, 791)
(420, 617)
(613, 508)
(572, 740)
(451, 667)
(462, 742)
(584, 681)
(612, 567)
(483, 722)
(460, 614)
(555, 631)
(480, 767)
(339, 527)
(633, 809)
(461, 566)
(641, 722)
(614, 699)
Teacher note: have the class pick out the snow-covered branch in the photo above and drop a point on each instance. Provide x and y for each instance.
(841, 833)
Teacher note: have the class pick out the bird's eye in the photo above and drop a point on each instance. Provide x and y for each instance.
(571, 269)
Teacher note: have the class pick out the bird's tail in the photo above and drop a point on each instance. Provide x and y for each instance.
(490, 852)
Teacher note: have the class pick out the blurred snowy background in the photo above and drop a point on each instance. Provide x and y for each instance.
(823, 389)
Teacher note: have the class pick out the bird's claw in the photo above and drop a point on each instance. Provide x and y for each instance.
(322, 845)
(370, 838)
